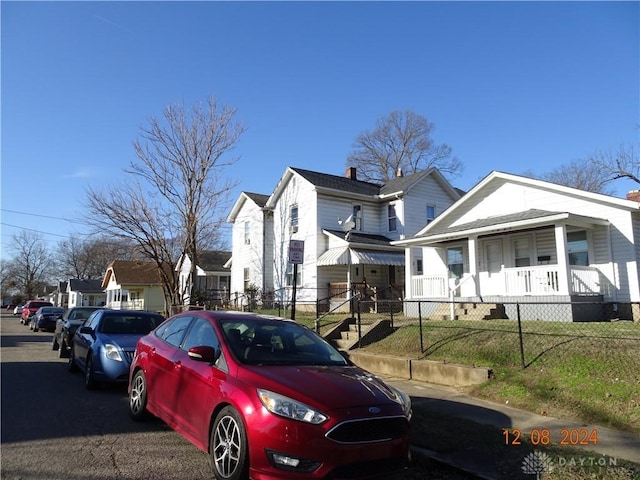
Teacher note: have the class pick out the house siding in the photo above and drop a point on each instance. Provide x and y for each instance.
(248, 255)
(427, 192)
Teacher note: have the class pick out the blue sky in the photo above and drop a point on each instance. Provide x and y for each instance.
(510, 86)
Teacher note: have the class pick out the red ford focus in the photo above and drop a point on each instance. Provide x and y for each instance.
(268, 398)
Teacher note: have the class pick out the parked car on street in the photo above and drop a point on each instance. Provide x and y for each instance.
(67, 325)
(30, 308)
(268, 398)
(18, 310)
(104, 345)
(45, 318)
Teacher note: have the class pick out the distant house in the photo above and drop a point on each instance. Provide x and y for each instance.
(212, 278)
(85, 293)
(347, 226)
(59, 296)
(515, 239)
(133, 285)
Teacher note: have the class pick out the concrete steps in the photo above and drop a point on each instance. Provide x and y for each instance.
(470, 311)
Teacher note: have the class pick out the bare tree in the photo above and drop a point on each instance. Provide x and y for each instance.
(585, 175)
(617, 164)
(85, 259)
(597, 172)
(400, 141)
(182, 162)
(31, 263)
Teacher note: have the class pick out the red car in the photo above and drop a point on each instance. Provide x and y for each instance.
(30, 308)
(268, 399)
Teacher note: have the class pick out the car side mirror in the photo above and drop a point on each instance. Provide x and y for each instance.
(86, 330)
(204, 353)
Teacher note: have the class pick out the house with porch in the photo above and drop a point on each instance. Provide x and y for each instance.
(346, 227)
(85, 293)
(133, 285)
(212, 278)
(515, 240)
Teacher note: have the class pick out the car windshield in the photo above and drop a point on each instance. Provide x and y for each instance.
(257, 341)
(80, 313)
(139, 324)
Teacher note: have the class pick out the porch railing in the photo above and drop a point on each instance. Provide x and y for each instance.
(128, 305)
(535, 280)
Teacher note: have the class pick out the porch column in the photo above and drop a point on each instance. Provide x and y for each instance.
(564, 288)
(408, 272)
(472, 246)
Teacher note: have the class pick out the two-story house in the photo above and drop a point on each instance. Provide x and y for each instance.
(347, 226)
(212, 278)
(515, 240)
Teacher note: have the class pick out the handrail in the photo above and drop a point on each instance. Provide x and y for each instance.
(317, 320)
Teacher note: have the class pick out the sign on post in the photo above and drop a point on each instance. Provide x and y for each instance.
(296, 256)
(296, 252)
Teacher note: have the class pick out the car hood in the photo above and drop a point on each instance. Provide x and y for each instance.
(126, 341)
(333, 387)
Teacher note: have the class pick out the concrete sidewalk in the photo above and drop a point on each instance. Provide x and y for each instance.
(449, 402)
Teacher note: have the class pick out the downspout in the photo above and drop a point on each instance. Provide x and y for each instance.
(614, 275)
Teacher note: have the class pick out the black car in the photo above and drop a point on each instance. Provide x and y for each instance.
(66, 326)
(45, 318)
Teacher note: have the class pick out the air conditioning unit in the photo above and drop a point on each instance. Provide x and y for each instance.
(293, 228)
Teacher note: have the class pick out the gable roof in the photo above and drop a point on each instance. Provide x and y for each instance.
(444, 228)
(258, 198)
(85, 285)
(213, 260)
(132, 273)
(348, 186)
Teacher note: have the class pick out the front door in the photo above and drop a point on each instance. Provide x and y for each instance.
(492, 278)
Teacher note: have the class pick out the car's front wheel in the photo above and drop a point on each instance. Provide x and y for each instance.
(71, 366)
(89, 381)
(138, 397)
(228, 446)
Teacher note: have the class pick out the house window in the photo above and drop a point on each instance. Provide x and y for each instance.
(293, 219)
(578, 248)
(391, 209)
(247, 279)
(357, 217)
(455, 262)
(419, 269)
(289, 278)
(247, 233)
(431, 213)
(522, 251)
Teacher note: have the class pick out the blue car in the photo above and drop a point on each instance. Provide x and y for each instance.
(103, 347)
(45, 318)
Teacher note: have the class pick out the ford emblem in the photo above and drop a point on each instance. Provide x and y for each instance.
(374, 410)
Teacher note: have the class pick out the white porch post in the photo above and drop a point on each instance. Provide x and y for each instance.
(563, 259)
(408, 269)
(473, 263)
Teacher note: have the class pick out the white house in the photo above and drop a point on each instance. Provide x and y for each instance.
(85, 292)
(515, 239)
(133, 285)
(315, 208)
(212, 278)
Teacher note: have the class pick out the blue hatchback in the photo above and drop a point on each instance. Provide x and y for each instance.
(104, 345)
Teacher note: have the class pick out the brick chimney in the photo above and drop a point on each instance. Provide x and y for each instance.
(634, 195)
(351, 173)
(399, 172)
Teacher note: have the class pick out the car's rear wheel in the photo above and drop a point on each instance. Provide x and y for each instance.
(62, 351)
(89, 381)
(138, 397)
(71, 366)
(228, 446)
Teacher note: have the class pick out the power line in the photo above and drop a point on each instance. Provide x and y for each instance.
(43, 216)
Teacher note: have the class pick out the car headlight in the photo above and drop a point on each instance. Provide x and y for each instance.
(405, 401)
(112, 352)
(289, 408)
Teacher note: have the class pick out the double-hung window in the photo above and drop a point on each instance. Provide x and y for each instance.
(392, 219)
